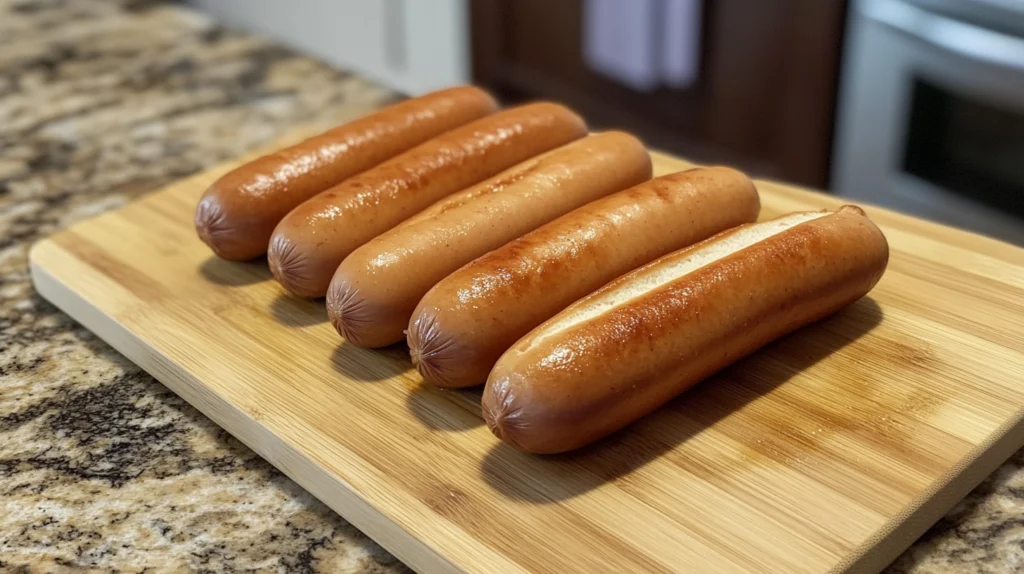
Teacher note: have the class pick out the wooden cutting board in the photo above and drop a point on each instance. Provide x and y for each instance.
(830, 450)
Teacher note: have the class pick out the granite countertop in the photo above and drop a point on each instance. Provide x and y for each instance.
(101, 467)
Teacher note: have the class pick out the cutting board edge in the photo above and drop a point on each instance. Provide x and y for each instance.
(930, 506)
(255, 435)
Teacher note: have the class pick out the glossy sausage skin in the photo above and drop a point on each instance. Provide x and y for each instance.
(567, 384)
(465, 322)
(460, 198)
(237, 214)
(311, 241)
(376, 288)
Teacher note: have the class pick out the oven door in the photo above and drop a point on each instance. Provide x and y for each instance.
(932, 119)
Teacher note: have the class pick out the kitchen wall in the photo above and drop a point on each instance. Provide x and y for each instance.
(410, 45)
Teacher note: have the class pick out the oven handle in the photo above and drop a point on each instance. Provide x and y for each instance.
(954, 36)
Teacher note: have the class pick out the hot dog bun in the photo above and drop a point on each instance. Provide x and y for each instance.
(310, 242)
(237, 214)
(376, 288)
(644, 338)
(465, 322)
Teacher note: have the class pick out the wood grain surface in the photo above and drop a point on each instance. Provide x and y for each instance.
(829, 450)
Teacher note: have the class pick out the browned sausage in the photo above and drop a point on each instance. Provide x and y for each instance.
(311, 241)
(237, 214)
(636, 343)
(376, 288)
(465, 322)
(463, 197)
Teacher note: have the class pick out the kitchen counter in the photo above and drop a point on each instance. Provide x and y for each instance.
(101, 467)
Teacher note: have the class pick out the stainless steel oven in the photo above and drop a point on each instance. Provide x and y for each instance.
(931, 115)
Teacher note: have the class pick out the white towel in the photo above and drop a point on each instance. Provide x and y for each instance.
(617, 41)
(643, 44)
(681, 41)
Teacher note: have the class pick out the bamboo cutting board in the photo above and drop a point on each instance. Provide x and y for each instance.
(830, 450)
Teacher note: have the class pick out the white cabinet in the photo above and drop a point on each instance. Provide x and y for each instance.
(413, 46)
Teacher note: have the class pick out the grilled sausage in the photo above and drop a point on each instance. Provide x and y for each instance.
(376, 288)
(310, 242)
(465, 322)
(237, 214)
(646, 337)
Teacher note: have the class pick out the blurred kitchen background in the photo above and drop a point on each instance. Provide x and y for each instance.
(913, 104)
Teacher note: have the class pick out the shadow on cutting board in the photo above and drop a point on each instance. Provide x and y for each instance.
(293, 311)
(551, 478)
(235, 273)
(366, 365)
(446, 409)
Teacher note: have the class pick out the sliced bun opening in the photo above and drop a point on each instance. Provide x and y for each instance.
(663, 274)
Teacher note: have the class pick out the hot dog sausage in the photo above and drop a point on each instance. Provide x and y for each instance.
(644, 338)
(376, 288)
(237, 214)
(465, 322)
(459, 198)
(311, 241)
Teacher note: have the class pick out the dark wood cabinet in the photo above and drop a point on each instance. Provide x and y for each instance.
(764, 101)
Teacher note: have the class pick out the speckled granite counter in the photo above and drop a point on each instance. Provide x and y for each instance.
(103, 468)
